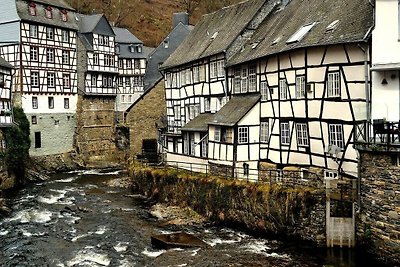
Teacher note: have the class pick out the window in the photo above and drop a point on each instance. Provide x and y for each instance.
(64, 15)
(196, 74)
(336, 135)
(202, 73)
(138, 81)
(50, 33)
(34, 102)
(120, 63)
(106, 60)
(65, 36)
(333, 84)
(120, 81)
(129, 63)
(302, 134)
(51, 102)
(243, 135)
(226, 135)
(128, 81)
(50, 54)
(264, 91)
(193, 111)
(96, 59)
(105, 81)
(106, 40)
(285, 133)
(217, 134)
(188, 76)
(38, 140)
(220, 68)
(49, 13)
(32, 9)
(283, 89)
(264, 132)
(94, 80)
(213, 70)
(110, 82)
(204, 146)
(66, 80)
(34, 79)
(177, 113)
(65, 57)
(66, 103)
(244, 81)
(298, 36)
(192, 144)
(101, 39)
(34, 120)
(136, 63)
(300, 86)
(139, 49)
(252, 78)
(51, 77)
(34, 53)
(33, 31)
(207, 107)
(237, 79)
(166, 42)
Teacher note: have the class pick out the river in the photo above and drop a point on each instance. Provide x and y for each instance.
(76, 219)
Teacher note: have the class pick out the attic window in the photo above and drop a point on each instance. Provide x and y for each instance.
(332, 26)
(276, 41)
(166, 42)
(64, 15)
(32, 9)
(49, 13)
(298, 36)
(132, 49)
(139, 49)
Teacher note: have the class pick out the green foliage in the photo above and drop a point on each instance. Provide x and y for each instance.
(18, 144)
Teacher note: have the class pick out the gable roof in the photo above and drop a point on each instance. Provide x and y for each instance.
(199, 124)
(233, 111)
(123, 35)
(23, 13)
(215, 33)
(96, 23)
(4, 63)
(355, 22)
(161, 53)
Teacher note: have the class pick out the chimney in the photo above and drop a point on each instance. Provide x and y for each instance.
(180, 17)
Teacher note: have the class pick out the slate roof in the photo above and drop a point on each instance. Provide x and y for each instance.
(87, 23)
(23, 12)
(233, 111)
(199, 124)
(225, 25)
(355, 20)
(160, 54)
(147, 51)
(123, 35)
(4, 63)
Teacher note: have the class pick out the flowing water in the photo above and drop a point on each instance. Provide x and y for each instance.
(75, 219)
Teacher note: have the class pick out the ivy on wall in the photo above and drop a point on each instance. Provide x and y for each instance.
(18, 144)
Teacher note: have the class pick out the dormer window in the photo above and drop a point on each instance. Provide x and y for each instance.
(139, 49)
(64, 15)
(32, 9)
(166, 42)
(132, 49)
(49, 13)
(117, 49)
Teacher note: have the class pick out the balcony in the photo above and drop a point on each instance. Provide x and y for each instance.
(380, 135)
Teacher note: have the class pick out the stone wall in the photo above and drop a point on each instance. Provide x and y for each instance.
(379, 218)
(95, 136)
(143, 117)
(266, 209)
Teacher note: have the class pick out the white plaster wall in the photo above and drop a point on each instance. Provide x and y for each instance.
(43, 106)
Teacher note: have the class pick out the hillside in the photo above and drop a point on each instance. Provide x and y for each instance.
(149, 20)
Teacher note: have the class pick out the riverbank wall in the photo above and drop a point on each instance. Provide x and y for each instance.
(259, 208)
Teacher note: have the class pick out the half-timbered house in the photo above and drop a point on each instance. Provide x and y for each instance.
(98, 72)
(6, 73)
(39, 39)
(297, 87)
(131, 68)
(195, 76)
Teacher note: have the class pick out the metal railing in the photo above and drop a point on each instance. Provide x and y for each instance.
(379, 132)
(266, 176)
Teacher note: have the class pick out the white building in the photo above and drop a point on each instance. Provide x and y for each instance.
(39, 39)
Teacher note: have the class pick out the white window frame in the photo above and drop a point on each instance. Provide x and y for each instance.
(94, 80)
(50, 101)
(33, 31)
(300, 86)
(252, 76)
(264, 90)
(50, 33)
(95, 59)
(35, 79)
(186, 144)
(244, 80)
(243, 135)
(283, 88)
(128, 63)
(65, 36)
(177, 113)
(220, 68)
(50, 55)
(196, 74)
(333, 84)
(65, 57)
(207, 104)
(336, 135)
(34, 52)
(264, 131)
(217, 134)
(66, 103)
(204, 147)
(285, 133)
(192, 144)
(51, 78)
(66, 80)
(302, 134)
(188, 76)
(35, 103)
(237, 80)
(213, 70)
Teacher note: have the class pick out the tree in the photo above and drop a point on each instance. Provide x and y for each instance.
(190, 5)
